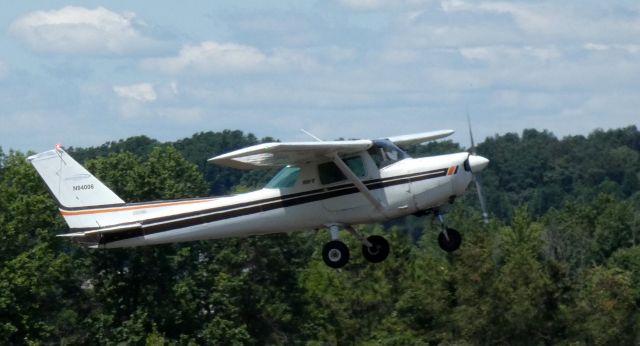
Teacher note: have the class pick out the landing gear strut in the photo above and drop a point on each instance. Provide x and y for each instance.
(449, 239)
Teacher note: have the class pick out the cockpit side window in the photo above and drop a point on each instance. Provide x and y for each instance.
(384, 152)
(287, 177)
(330, 173)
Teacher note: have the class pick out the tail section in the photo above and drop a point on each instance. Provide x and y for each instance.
(71, 184)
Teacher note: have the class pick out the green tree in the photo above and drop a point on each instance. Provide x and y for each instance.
(628, 259)
(123, 173)
(346, 305)
(523, 286)
(473, 274)
(563, 269)
(139, 146)
(35, 290)
(204, 145)
(127, 284)
(604, 312)
(167, 175)
(36, 276)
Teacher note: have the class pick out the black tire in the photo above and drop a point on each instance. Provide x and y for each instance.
(453, 243)
(335, 254)
(379, 250)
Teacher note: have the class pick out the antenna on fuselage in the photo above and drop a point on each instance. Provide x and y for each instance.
(311, 135)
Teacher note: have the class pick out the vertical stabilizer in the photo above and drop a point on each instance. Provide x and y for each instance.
(71, 184)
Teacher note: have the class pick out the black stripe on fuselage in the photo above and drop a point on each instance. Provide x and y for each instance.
(184, 220)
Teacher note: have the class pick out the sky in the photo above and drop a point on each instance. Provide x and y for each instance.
(83, 73)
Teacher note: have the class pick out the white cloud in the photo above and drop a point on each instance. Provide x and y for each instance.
(527, 18)
(174, 88)
(145, 101)
(478, 53)
(555, 20)
(501, 54)
(600, 47)
(596, 46)
(515, 64)
(377, 4)
(365, 4)
(143, 92)
(453, 5)
(212, 57)
(79, 30)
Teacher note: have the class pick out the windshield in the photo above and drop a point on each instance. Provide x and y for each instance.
(384, 152)
(285, 178)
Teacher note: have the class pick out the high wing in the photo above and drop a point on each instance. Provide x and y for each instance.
(419, 138)
(280, 154)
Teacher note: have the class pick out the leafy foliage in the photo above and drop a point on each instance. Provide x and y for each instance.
(559, 263)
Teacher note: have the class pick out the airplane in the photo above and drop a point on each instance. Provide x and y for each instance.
(322, 184)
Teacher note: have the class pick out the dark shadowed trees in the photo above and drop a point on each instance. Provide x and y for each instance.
(559, 263)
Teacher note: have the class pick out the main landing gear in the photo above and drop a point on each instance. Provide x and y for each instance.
(375, 248)
(335, 253)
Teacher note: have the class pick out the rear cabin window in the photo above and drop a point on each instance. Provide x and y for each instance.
(330, 173)
(287, 177)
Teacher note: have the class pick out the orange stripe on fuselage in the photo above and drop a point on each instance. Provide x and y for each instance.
(133, 207)
(451, 170)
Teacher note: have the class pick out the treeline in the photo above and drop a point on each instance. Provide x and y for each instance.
(559, 263)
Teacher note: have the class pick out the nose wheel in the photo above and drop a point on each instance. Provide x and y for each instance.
(378, 251)
(449, 240)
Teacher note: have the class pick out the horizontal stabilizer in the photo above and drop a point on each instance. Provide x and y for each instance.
(113, 229)
(71, 235)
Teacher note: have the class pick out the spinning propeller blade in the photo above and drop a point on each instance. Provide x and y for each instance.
(483, 207)
(472, 150)
(476, 176)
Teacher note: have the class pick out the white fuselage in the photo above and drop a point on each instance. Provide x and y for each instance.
(402, 188)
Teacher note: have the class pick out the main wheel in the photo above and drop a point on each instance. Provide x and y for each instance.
(378, 251)
(335, 254)
(451, 244)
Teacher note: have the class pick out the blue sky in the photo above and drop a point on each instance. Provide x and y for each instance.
(82, 73)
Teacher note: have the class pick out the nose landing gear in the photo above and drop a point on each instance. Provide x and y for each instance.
(378, 251)
(449, 239)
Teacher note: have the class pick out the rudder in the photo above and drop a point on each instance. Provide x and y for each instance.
(72, 185)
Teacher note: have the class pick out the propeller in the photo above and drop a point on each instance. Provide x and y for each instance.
(479, 163)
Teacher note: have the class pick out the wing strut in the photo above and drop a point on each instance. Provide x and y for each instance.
(357, 182)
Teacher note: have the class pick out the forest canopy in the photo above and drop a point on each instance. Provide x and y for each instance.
(559, 262)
